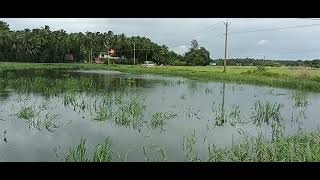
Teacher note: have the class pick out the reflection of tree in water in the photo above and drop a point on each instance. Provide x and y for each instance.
(53, 82)
(4, 94)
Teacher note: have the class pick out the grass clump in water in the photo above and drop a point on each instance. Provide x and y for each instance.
(79, 153)
(159, 119)
(122, 111)
(296, 148)
(300, 99)
(26, 112)
(103, 152)
(266, 113)
(188, 146)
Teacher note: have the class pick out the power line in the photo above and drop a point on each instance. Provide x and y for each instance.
(197, 33)
(300, 51)
(271, 29)
(213, 25)
(279, 53)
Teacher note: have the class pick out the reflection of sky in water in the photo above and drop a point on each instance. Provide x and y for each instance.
(192, 101)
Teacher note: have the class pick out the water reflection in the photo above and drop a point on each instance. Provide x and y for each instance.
(129, 107)
(221, 118)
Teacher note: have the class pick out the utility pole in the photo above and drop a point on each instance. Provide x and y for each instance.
(225, 46)
(134, 53)
(146, 56)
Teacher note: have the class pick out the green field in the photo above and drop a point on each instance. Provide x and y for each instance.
(286, 77)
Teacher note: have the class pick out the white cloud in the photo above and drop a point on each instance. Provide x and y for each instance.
(183, 47)
(263, 42)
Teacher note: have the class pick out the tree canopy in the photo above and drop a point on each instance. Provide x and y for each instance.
(44, 45)
(197, 56)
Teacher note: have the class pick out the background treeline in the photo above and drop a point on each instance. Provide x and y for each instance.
(273, 63)
(44, 45)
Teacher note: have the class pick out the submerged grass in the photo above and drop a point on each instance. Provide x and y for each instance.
(266, 113)
(122, 110)
(159, 119)
(36, 118)
(26, 112)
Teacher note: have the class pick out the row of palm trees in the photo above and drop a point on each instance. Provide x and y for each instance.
(44, 45)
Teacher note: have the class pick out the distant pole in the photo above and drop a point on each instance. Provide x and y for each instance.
(134, 53)
(225, 46)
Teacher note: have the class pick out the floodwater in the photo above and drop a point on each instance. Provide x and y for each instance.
(190, 108)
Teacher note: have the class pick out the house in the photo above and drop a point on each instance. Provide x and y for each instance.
(213, 64)
(103, 56)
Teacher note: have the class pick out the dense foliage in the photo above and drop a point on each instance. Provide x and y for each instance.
(45, 45)
(272, 63)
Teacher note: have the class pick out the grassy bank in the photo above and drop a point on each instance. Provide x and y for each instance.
(303, 147)
(294, 78)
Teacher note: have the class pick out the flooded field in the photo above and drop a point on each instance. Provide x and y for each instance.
(112, 116)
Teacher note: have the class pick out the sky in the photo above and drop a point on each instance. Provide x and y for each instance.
(300, 41)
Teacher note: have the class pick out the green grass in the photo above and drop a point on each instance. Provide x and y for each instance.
(122, 109)
(287, 77)
(80, 153)
(297, 148)
(159, 119)
(26, 112)
(266, 113)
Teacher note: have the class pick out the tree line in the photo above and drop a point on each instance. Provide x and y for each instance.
(273, 63)
(47, 46)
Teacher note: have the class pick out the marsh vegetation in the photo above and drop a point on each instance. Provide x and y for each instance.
(182, 120)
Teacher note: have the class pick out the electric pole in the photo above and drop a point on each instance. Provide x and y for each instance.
(134, 53)
(225, 46)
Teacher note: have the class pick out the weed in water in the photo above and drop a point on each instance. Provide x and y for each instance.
(300, 99)
(188, 146)
(155, 149)
(79, 153)
(266, 113)
(103, 153)
(159, 119)
(27, 112)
